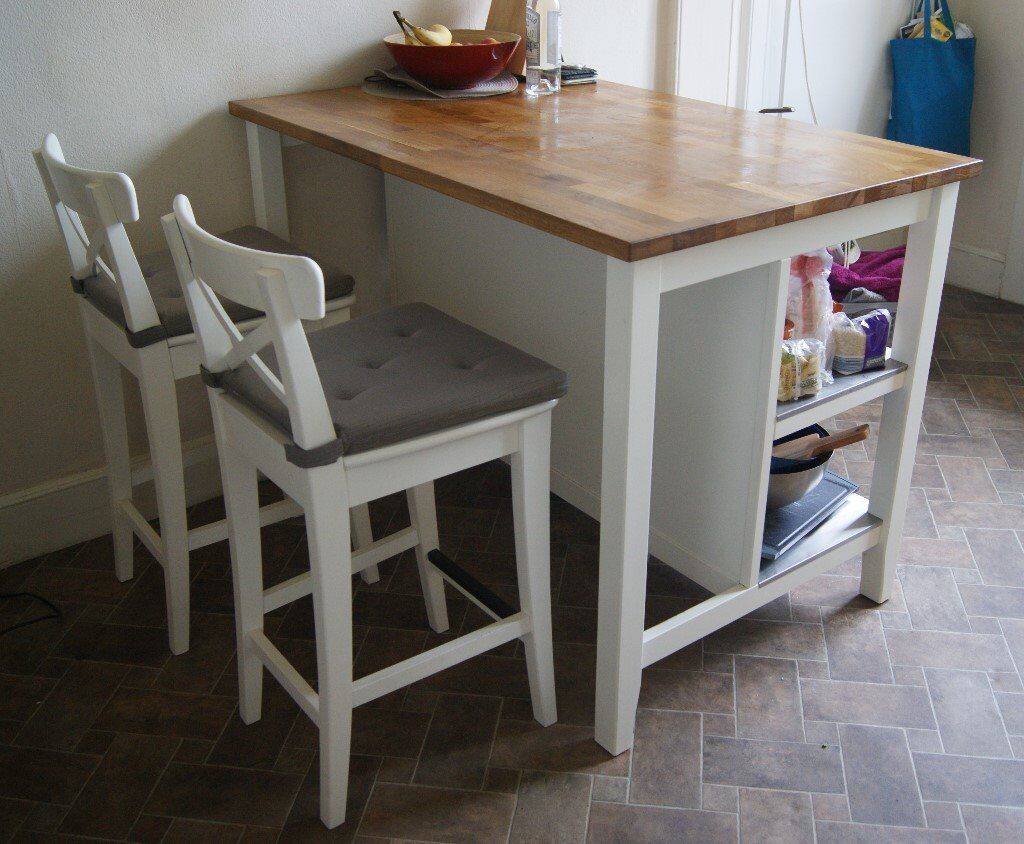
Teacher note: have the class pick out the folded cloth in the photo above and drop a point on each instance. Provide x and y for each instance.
(879, 272)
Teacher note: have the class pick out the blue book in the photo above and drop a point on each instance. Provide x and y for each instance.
(786, 526)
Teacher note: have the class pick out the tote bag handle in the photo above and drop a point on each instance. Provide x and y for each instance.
(947, 17)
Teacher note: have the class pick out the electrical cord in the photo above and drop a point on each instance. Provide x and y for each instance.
(54, 612)
(803, 47)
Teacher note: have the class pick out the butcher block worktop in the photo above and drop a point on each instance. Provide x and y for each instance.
(621, 170)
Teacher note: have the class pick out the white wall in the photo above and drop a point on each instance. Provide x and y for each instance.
(143, 88)
(987, 229)
(847, 56)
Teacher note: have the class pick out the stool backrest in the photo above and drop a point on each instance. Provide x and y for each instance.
(108, 200)
(288, 288)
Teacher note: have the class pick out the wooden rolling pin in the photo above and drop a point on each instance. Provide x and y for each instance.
(812, 445)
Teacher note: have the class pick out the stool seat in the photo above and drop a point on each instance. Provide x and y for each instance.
(400, 373)
(162, 280)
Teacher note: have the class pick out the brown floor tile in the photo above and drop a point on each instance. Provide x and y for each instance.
(257, 745)
(619, 823)
(830, 832)
(993, 823)
(932, 649)
(693, 691)
(767, 817)
(303, 822)
(768, 699)
(437, 814)
(146, 646)
(932, 599)
(772, 764)
(962, 779)
(29, 773)
(969, 721)
(666, 759)
(999, 556)
(867, 703)
(202, 832)
(527, 745)
(880, 776)
(994, 601)
(856, 646)
(551, 807)
(458, 743)
(967, 479)
(66, 714)
(160, 713)
(112, 799)
(786, 640)
(950, 553)
(223, 795)
(21, 696)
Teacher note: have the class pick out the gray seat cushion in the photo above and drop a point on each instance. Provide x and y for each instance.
(158, 270)
(402, 373)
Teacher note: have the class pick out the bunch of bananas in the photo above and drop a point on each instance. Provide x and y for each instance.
(435, 35)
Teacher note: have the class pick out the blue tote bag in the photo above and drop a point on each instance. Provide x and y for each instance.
(933, 88)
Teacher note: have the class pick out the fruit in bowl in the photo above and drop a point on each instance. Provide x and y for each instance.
(452, 59)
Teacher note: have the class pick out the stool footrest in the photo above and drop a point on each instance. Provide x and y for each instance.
(482, 596)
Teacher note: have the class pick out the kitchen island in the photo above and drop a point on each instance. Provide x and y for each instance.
(641, 242)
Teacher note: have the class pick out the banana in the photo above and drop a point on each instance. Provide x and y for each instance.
(412, 42)
(436, 35)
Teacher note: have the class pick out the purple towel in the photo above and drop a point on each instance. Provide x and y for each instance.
(880, 272)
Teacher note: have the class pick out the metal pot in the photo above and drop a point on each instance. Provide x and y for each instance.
(791, 480)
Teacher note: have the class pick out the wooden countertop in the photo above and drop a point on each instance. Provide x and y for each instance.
(627, 172)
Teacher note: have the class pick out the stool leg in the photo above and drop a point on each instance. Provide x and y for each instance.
(330, 563)
(106, 374)
(160, 402)
(531, 507)
(363, 533)
(423, 514)
(241, 500)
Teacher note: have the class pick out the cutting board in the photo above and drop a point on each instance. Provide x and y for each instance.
(510, 16)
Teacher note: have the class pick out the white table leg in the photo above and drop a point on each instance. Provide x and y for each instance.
(633, 302)
(923, 276)
(267, 169)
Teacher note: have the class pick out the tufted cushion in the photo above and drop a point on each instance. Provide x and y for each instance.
(158, 270)
(402, 373)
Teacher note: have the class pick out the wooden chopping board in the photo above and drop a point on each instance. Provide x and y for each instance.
(510, 16)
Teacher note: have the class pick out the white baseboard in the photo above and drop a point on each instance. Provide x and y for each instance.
(975, 269)
(74, 508)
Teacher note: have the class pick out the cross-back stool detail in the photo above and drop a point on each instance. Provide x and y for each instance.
(250, 442)
(91, 209)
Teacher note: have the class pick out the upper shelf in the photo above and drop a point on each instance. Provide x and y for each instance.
(844, 393)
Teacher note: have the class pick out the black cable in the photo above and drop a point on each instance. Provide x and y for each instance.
(55, 613)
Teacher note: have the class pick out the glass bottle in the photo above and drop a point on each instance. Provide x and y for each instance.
(543, 47)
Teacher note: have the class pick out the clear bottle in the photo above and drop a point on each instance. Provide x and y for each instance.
(543, 47)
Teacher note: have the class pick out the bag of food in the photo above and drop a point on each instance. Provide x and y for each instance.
(809, 303)
(859, 344)
(802, 370)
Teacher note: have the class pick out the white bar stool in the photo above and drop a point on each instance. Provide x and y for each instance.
(383, 403)
(135, 317)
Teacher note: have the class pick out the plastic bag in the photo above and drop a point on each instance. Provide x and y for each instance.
(802, 371)
(859, 344)
(809, 302)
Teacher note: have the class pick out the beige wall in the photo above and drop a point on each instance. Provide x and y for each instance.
(143, 88)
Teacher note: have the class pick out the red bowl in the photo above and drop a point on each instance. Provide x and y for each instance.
(456, 67)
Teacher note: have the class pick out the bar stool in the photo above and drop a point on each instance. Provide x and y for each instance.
(135, 317)
(380, 404)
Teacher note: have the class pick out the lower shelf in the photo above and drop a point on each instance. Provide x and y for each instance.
(851, 521)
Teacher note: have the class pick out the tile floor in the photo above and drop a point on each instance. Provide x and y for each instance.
(820, 716)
